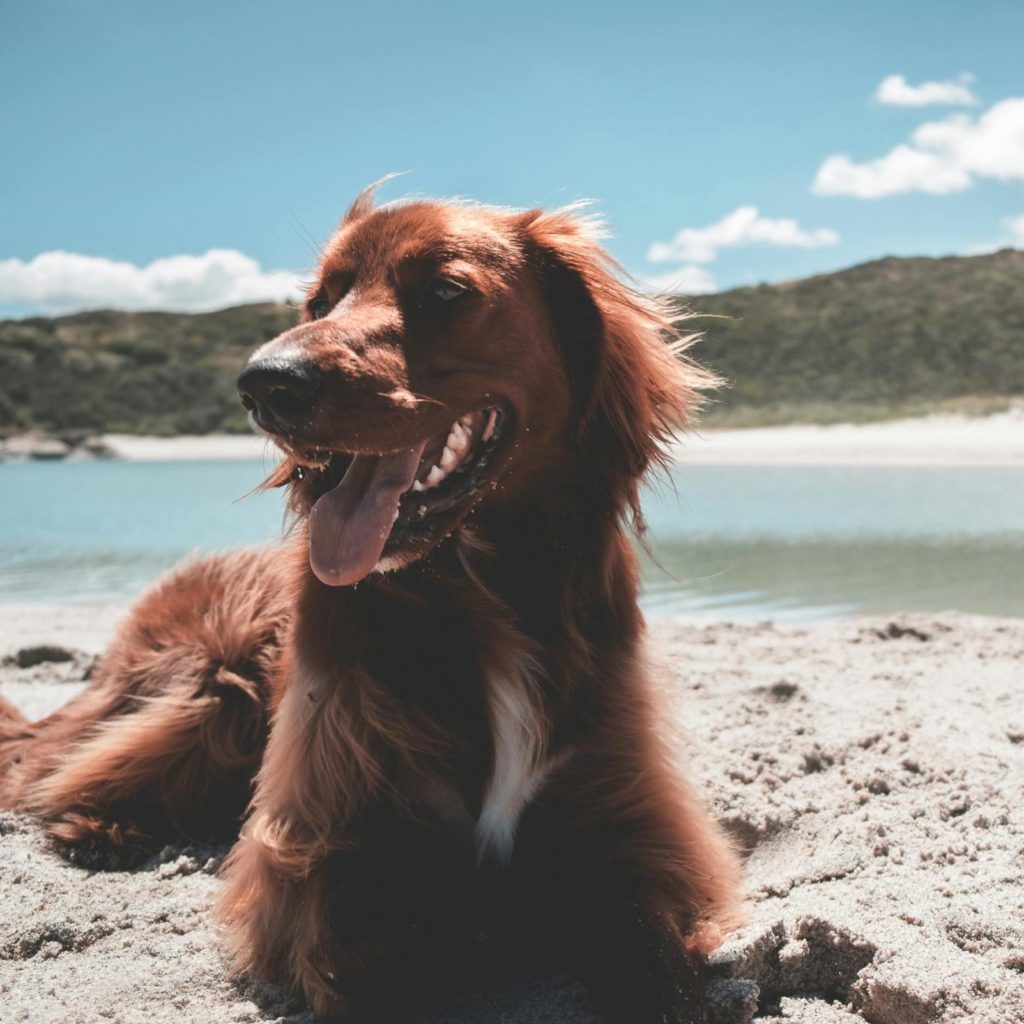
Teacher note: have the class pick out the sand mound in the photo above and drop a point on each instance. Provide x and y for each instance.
(872, 769)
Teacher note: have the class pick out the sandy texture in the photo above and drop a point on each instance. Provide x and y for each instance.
(872, 768)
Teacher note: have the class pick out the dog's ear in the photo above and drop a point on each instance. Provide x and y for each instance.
(633, 387)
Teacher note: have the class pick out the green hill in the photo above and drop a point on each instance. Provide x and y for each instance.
(884, 338)
(888, 337)
(135, 373)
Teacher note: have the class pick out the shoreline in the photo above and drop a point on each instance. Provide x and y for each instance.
(938, 440)
(941, 440)
(191, 447)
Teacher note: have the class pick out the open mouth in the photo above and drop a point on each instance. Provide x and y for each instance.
(370, 505)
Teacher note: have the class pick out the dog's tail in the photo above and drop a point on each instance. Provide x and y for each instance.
(13, 724)
(16, 732)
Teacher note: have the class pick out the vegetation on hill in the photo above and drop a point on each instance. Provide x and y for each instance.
(884, 338)
(135, 373)
(888, 337)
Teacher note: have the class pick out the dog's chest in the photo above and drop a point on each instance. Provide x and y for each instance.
(520, 761)
(483, 695)
(507, 780)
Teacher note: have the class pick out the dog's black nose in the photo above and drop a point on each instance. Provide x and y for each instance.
(278, 392)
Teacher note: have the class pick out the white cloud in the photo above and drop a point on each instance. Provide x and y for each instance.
(990, 146)
(1015, 225)
(941, 157)
(744, 226)
(61, 282)
(688, 280)
(896, 91)
(903, 169)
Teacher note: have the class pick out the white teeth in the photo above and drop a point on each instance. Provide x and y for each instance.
(460, 435)
(449, 460)
(459, 442)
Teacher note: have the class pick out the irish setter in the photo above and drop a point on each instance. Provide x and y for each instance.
(430, 703)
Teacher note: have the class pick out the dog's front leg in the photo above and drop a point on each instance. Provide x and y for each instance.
(606, 927)
(311, 896)
(372, 929)
(610, 928)
(275, 904)
(635, 965)
(279, 876)
(635, 880)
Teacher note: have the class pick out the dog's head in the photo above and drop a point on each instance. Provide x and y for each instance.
(452, 357)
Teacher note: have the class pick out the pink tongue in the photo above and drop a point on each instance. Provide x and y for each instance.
(350, 524)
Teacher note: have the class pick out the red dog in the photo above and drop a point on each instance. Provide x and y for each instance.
(438, 683)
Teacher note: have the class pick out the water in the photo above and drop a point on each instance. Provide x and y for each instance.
(86, 531)
(738, 542)
(796, 543)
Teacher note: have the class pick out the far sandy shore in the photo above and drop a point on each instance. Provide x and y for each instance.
(191, 447)
(996, 440)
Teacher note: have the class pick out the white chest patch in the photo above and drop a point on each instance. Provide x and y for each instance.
(520, 764)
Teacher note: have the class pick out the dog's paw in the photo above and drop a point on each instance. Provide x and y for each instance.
(100, 845)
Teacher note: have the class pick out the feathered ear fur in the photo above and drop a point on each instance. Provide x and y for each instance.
(633, 385)
(365, 203)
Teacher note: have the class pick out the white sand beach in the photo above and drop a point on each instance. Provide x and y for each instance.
(871, 768)
(947, 440)
(191, 447)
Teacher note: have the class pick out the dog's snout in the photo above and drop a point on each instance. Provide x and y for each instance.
(279, 392)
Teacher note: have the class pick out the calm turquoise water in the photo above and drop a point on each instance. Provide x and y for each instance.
(738, 542)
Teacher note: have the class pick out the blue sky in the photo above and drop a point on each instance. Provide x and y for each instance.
(140, 132)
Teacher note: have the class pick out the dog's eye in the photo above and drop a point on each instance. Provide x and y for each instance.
(442, 293)
(319, 308)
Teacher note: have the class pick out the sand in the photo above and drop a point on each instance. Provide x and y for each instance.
(190, 447)
(872, 769)
(948, 440)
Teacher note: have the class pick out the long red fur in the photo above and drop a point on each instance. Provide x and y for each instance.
(354, 728)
